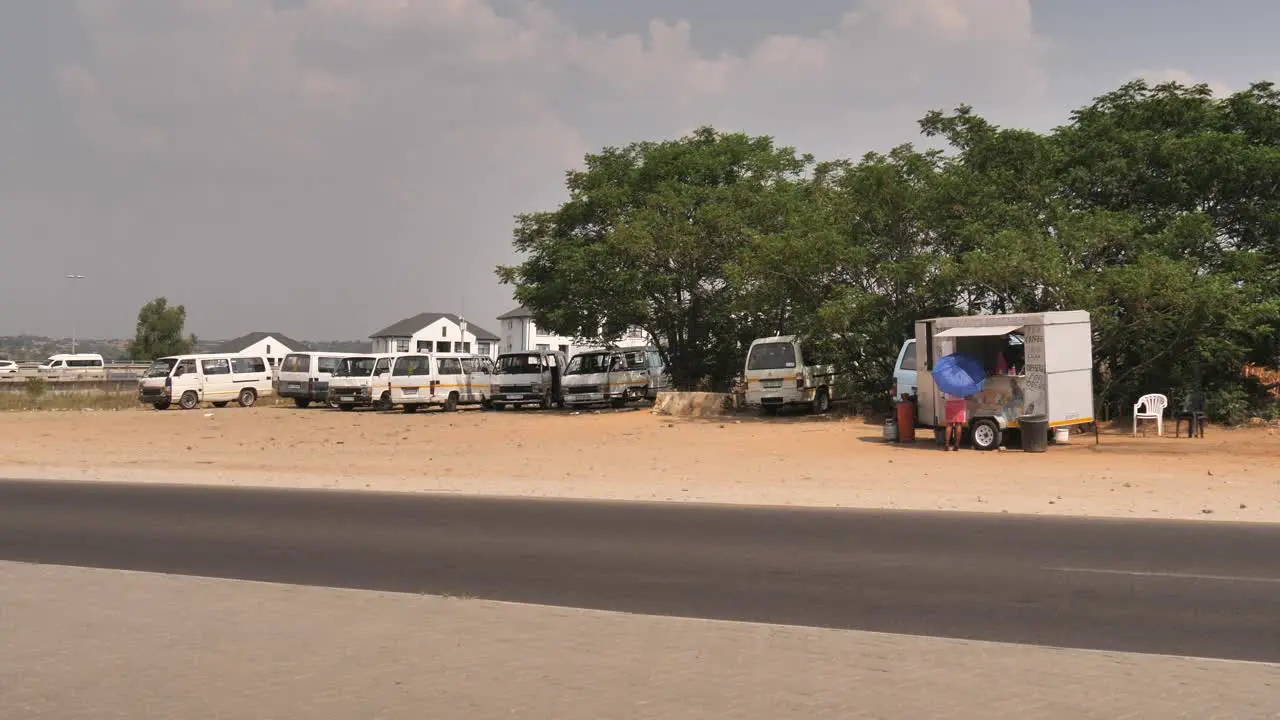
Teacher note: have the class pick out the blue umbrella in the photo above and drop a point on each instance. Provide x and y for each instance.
(959, 375)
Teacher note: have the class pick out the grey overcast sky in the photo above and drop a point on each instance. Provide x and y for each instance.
(324, 168)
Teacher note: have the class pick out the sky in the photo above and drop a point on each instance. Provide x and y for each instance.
(324, 168)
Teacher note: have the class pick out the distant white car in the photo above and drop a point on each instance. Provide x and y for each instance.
(8, 368)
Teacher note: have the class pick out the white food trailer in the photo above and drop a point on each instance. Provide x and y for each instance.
(1038, 364)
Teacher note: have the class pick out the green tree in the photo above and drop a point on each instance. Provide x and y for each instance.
(649, 237)
(161, 331)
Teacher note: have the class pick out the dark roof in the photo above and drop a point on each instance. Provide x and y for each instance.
(409, 326)
(520, 312)
(244, 341)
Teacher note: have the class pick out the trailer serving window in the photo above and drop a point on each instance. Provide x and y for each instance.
(1000, 348)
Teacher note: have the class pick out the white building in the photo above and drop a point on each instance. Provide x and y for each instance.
(435, 332)
(520, 332)
(272, 346)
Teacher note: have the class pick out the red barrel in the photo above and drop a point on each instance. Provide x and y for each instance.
(906, 421)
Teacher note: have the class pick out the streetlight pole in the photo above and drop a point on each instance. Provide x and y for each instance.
(73, 314)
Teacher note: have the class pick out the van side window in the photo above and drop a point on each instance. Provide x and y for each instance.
(909, 358)
(248, 365)
(449, 366)
(216, 366)
(327, 365)
(382, 367)
(186, 366)
(636, 361)
(470, 365)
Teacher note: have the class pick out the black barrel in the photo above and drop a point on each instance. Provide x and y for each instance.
(1035, 433)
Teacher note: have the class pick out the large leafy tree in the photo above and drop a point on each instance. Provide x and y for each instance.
(161, 331)
(650, 236)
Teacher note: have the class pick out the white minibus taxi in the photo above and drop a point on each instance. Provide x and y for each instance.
(82, 365)
(420, 380)
(190, 380)
(305, 376)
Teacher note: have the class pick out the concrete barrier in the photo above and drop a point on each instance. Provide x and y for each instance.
(693, 404)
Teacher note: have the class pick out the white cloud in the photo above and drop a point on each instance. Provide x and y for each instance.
(1182, 77)
(433, 121)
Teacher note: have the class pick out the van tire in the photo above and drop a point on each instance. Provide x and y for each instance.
(619, 403)
(302, 403)
(985, 434)
(346, 407)
(333, 404)
(821, 401)
(451, 402)
(384, 402)
(248, 398)
(162, 405)
(499, 406)
(221, 404)
(189, 400)
(410, 408)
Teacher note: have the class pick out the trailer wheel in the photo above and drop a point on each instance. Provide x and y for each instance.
(986, 434)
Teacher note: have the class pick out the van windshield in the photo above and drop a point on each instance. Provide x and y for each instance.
(588, 364)
(161, 368)
(296, 363)
(772, 356)
(518, 364)
(355, 367)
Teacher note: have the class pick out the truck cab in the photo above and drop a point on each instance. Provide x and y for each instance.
(530, 377)
(778, 375)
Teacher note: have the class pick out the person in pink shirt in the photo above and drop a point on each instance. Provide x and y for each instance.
(957, 415)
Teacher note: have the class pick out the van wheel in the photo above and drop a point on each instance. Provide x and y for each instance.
(220, 404)
(384, 402)
(410, 409)
(619, 403)
(302, 403)
(821, 401)
(451, 403)
(985, 434)
(499, 407)
(162, 405)
(346, 407)
(248, 398)
(189, 400)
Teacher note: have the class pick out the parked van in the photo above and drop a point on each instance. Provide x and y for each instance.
(616, 377)
(361, 381)
(905, 372)
(82, 365)
(304, 376)
(190, 380)
(780, 373)
(448, 380)
(531, 377)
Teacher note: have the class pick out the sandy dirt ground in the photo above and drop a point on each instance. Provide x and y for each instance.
(636, 455)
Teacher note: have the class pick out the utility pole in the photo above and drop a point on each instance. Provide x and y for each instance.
(73, 313)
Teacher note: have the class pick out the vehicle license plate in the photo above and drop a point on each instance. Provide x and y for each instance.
(346, 399)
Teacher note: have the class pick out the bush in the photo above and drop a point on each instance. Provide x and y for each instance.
(36, 387)
(1228, 406)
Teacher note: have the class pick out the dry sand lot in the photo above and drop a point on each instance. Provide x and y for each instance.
(636, 455)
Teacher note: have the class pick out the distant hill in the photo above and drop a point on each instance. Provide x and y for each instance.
(35, 348)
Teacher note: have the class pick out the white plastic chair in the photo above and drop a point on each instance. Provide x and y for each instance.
(1150, 407)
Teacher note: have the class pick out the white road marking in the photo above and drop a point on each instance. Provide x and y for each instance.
(1175, 575)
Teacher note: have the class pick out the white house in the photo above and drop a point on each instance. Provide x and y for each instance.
(520, 332)
(435, 332)
(272, 346)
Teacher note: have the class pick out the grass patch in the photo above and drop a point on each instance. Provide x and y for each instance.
(89, 400)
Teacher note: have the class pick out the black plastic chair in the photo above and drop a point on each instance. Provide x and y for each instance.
(1193, 412)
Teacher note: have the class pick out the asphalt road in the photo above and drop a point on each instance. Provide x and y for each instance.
(1204, 589)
